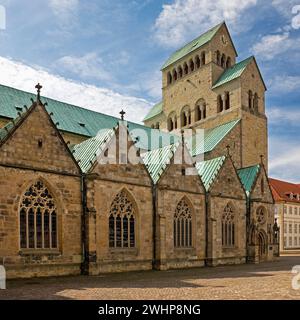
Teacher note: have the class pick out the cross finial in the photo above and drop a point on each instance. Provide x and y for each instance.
(38, 87)
(122, 113)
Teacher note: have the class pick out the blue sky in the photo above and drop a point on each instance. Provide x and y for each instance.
(106, 55)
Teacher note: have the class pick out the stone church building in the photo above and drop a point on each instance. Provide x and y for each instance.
(79, 198)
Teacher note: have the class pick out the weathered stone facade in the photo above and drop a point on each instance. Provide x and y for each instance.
(70, 212)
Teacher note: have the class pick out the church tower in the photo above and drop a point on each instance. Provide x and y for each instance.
(203, 87)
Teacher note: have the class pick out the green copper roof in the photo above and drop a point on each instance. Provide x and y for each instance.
(208, 170)
(86, 153)
(212, 137)
(157, 160)
(193, 45)
(233, 73)
(155, 111)
(74, 119)
(248, 177)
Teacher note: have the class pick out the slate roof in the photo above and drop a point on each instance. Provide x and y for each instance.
(248, 177)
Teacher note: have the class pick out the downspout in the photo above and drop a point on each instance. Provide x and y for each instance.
(154, 208)
(248, 213)
(206, 229)
(84, 264)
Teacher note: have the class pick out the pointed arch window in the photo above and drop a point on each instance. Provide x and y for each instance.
(255, 102)
(203, 58)
(183, 225)
(228, 227)
(223, 61)
(192, 65)
(250, 98)
(169, 78)
(198, 62)
(180, 72)
(122, 222)
(185, 68)
(228, 63)
(220, 103)
(38, 219)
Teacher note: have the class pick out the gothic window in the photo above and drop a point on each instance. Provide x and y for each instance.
(169, 78)
(198, 62)
(261, 215)
(157, 125)
(262, 186)
(228, 227)
(228, 63)
(227, 101)
(175, 122)
(219, 103)
(250, 97)
(185, 69)
(38, 219)
(183, 225)
(192, 65)
(180, 72)
(203, 58)
(122, 222)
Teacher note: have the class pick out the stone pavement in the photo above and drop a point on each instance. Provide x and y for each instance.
(263, 281)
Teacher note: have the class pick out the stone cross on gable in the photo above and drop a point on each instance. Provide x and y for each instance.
(38, 87)
(122, 113)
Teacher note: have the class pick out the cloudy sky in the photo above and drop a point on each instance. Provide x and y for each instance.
(106, 54)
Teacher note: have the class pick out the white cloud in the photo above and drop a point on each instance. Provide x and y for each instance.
(271, 45)
(284, 84)
(277, 115)
(183, 18)
(65, 10)
(87, 66)
(285, 7)
(21, 76)
(284, 159)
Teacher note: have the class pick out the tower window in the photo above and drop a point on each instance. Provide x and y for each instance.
(223, 61)
(227, 101)
(219, 103)
(203, 58)
(250, 98)
(185, 68)
(180, 72)
(198, 62)
(169, 78)
(228, 63)
(174, 75)
(218, 58)
(192, 65)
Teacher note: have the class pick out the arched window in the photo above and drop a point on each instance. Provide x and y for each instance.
(228, 63)
(219, 103)
(203, 58)
(192, 65)
(38, 219)
(157, 125)
(122, 222)
(218, 58)
(198, 114)
(180, 72)
(169, 78)
(185, 68)
(185, 116)
(228, 227)
(175, 122)
(170, 123)
(227, 100)
(174, 75)
(262, 186)
(183, 225)
(255, 102)
(250, 98)
(204, 111)
(198, 62)
(223, 61)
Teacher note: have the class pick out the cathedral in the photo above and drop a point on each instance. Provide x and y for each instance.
(87, 193)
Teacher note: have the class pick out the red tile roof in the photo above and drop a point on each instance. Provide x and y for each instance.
(282, 189)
